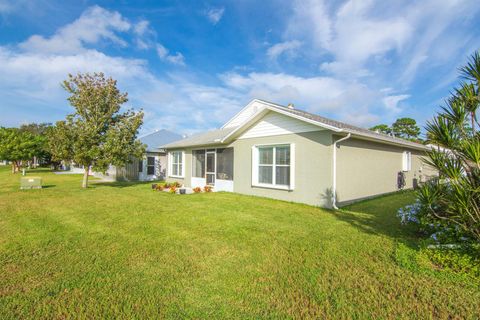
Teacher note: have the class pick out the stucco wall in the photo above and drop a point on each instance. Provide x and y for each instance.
(366, 169)
(313, 163)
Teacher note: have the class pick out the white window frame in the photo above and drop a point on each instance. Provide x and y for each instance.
(170, 164)
(255, 165)
(406, 161)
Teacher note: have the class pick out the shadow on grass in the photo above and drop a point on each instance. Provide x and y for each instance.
(379, 216)
(49, 186)
(122, 184)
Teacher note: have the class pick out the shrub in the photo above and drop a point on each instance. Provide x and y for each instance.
(173, 189)
(159, 187)
(197, 189)
(207, 188)
(166, 185)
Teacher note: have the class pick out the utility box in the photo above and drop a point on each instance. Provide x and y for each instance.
(30, 183)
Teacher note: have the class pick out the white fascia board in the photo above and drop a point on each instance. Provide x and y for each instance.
(275, 109)
(239, 112)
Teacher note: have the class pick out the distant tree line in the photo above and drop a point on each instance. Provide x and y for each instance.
(26, 146)
(405, 128)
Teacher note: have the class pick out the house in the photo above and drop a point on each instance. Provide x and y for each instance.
(280, 152)
(151, 167)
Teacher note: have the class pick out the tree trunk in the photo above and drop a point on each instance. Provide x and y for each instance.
(13, 167)
(85, 177)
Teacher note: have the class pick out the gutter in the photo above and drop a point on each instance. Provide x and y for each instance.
(334, 182)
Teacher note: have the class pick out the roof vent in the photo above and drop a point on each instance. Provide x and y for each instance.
(291, 106)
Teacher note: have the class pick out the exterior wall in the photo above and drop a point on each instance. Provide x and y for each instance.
(366, 169)
(313, 167)
(160, 167)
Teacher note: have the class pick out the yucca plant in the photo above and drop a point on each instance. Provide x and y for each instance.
(453, 200)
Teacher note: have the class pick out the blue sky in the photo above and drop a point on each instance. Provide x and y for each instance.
(193, 64)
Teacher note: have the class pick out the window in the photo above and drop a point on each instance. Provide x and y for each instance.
(225, 164)
(150, 165)
(198, 169)
(176, 168)
(140, 165)
(272, 166)
(407, 161)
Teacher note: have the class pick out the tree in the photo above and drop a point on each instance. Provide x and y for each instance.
(382, 128)
(406, 128)
(453, 201)
(39, 130)
(97, 134)
(18, 146)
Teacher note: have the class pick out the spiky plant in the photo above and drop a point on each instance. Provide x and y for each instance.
(453, 200)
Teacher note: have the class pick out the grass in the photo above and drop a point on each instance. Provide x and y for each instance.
(125, 251)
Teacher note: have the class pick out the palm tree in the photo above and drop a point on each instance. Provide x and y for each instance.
(469, 96)
(470, 92)
(453, 201)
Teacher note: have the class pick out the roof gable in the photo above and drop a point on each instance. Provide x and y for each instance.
(247, 112)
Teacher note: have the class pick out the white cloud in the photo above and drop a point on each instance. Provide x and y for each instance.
(310, 20)
(163, 54)
(94, 24)
(214, 15)
(287, 47)
(391, 102)
(359, 35)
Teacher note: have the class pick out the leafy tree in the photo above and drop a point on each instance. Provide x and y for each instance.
(383, 128)
(97, 134)
(18, 146)
(406, 128)
(39, 130)
(453, 201)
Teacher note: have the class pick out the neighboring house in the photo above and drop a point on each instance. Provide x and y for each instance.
(279, 152)
(3, 162)
(152, 166)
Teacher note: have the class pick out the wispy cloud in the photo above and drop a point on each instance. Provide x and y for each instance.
(214, 15)
(287, 47)
(163, 53)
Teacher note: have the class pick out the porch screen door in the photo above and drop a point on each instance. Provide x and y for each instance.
(210, 170)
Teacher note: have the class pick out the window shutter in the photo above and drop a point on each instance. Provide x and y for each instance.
(406, 161)
(254, 165)
(292, 166)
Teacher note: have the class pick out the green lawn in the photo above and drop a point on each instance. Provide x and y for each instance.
(125, 251)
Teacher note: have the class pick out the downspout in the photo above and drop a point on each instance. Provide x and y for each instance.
(334, 182)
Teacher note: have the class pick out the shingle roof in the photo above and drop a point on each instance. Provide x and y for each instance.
(349, 128)
(216, 136)
(158, 138)
(201, 139)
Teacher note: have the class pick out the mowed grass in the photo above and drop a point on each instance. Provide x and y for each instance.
(125, 251)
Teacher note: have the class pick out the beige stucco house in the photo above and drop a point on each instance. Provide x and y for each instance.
(283, 153)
